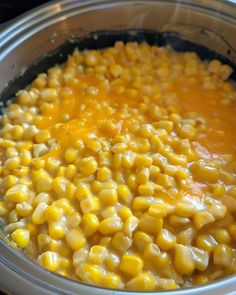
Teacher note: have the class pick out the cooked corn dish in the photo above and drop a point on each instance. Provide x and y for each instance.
(118, 168)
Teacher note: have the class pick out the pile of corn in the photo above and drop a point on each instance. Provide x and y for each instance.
(107, 174)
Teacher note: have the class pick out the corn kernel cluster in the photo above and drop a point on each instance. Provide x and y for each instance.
(118, 168)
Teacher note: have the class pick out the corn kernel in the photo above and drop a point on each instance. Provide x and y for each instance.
(131, 265)
(88, 273)
(21, 237)
(97, 254)
(50, 260)
(222, 255)
(113, 281)
(120, 242)
(108, 197)
(183, 261)
(142, 282)
(89, 224)
(150, 224)
(18, 193)
(141, 240)
(90, 205)
(165, 239)
(75, 238)
(110, 225)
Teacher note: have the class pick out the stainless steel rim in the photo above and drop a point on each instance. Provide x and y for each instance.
(24, 27)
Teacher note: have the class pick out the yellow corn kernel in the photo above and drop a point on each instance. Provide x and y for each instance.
(21, 237)
(104, 174)
(75, 238)
(130, 225)
(164, 124)
(165, 239)
(38, 163)
(143, 161)
(89, 224)
(206, 242)
(108, 197)
(88, 166)
(120, 242)
(110, 225)
(88, 273)
(177, 221)
(42, 136)
(97, 254)
(79, 256)
(218, 211)
(113, 281)
(222, 255)
(124, 193)
(12, 163)
(90, 205)
(108, 212)
(143, 176)
(201, 219)
(203, 172)
(112, 261)
(187, 131)
(116, 70)
(42, 197)
(23, 209)
(53, 213)
(158, 210)
(156, 142)
(70, 171)
(65, 204)
(141, 240)
(141, 203)
(175, 159)
(119, 148)
(11, 153)
(183, 260)
(184, 209)
(131, 182)
(154, 171)
(142, 282)
(71, 155)
(48, 94)
(17, 132)
(218, 190)
(82, 191)
(150, 224)
(146, 189)
(17, 194)
(50, 260)
(221, 235)
(38, 216)
(3, 208)
(131, 265)
(151, 251)
(56, 230)
(59, 185)
(200, 257)
(124, 213)
(165, 180)
(10, 181)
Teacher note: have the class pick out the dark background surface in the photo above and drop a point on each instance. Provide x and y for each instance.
(12, 8)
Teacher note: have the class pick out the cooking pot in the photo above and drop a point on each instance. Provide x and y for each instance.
(46, 35)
